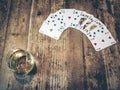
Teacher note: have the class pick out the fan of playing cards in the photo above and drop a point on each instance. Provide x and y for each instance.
(93, 28)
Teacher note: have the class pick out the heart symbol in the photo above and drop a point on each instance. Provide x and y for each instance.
(109, 37)
(103, 40)
(95, 44)
(69, 17)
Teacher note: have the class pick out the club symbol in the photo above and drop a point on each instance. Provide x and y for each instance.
(98, 30)
(102, 31)
(51, 30)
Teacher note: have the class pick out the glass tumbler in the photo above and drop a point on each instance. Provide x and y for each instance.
(20, 62)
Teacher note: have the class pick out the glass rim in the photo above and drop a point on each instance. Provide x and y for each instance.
(10, 57)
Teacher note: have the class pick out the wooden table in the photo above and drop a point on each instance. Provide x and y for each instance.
(71, 63)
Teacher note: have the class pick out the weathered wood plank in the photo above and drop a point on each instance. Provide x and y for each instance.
(111, 55)
(62, 69)
(39, 44)
(96, 75)
(85, 60)
(58, 64)
(51, 71)
(117, 18)
(17, 35)
(109, 21)
(71, 63)
(4, 12)
(75, 55)
(94, 70)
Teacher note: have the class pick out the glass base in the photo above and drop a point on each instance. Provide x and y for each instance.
(25, 78)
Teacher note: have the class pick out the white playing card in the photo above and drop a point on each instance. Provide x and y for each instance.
(101, 38)
(69, 17)
(58, 16)
(76, 18)
(86, 15)
(50, 18)
(97, 21)
(55, 24)
(91, 25)
(84, 19)
(95, 30)
(51, 31)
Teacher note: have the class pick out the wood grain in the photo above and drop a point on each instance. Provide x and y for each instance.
(4, 13)
(70, 63)
(17, 37)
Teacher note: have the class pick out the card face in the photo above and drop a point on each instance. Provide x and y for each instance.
(51, 30)
(69, 17)
(50, 18)
(84, 22)
(101, 38)
(93, 28)
(75, 19)
(53, 21)
(91, 25)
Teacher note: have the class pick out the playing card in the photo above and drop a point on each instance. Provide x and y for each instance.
(101, 38)
(50, 18)
(56, 23)
(92, 25)
(68, 17)
(84, 21)
(52, 28)
(94, 29)
(58, 16)
(75, 19)
(86, 15)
